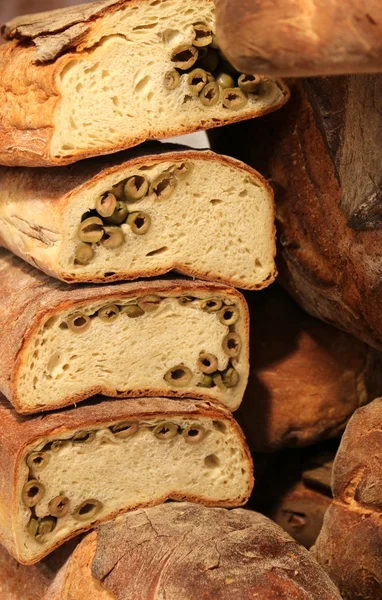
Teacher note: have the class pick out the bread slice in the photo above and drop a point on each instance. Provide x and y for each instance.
(190, 552)
(64, 472)
(109, 75)
(200, 213)
(64, 344)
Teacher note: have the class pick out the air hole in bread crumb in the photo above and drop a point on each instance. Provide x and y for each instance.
(212, 461)
(143, 83)
(215, 201)
(258, 263)
(109, 274)
(159, 251)
(148, 26)
(243, 193)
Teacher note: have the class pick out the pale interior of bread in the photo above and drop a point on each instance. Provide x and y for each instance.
(130, 355)
(113, 94)
(218, 224)
(122, 474)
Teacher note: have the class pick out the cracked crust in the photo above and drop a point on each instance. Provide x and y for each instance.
(28, 298)
(35, 53)
(55, 188)
(356, 512)
(20, 432)
(186, 552)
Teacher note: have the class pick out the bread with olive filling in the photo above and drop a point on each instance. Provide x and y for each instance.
(101, 77)
(64, 472)
(140, 214)
(64, 344)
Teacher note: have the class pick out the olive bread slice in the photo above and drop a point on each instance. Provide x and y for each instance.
(105, 76)
(64, 472)
(64, 344)
(140, 214)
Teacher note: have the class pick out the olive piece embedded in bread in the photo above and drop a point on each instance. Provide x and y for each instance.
(125, 429)
(182, 170)
(202, 35)
(32, 527)
(38, 460)
(194, 434)
(249, 83)
(83, 254)
(33, 492)
(225, 80)
(133, 311)
(211, 304)
(206, 382)
(163, 186)
(83, 437)
(136, 188)
(234, 98)
(166, 431)
(149, 303)
(218, 381)
(184, 57)
(228, 315)
(106, 205)
(179, 376)
(59, 506)
(139, 222)
(46, 525)
(171, 80)
(230, 377)
(87, 510)
(197, 80)
(78, 323)
(91, 230)
(113, 237)
(207, 363)
(119, 215)
(108, 314)
(210, 94)
(232, 344)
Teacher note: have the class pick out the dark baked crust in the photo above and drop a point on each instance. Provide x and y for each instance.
(20, 432)
(350, 544)
(295, 38)
(25, 134)
(29, 297)
(306, 377)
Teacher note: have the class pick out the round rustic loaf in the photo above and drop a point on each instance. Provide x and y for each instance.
(183, 552)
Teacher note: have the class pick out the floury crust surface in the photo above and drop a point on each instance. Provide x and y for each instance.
(217, 223)
(150, 457)
(83, 53)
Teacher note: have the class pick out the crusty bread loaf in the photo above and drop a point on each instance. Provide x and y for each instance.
(295, 38)
(171, 338)
(323, 154)
(184, 552)
(350, 544)
(306, 378)
(109, 75)
(212, 217)
(64, 472)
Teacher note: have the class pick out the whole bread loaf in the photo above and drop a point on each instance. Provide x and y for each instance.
(101, 77)
(143, 213)
(323, 154)
(350, 544)
(306, 378)
(67, 471)
(174, 338)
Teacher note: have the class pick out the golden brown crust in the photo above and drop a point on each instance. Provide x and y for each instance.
(306, 378)
(20, 432)
(25, 134)
(56, 186)
(350, 544)
(29, 297)
(295, 38)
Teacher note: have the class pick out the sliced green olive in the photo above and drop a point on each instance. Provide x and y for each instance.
(171, 80)
(33, 492)
(225, 80)
(207, 363)
(206, 382)
(202, 35)
(249, 83)
(210, 94)
(132, 311)
(184, 57)
(229, 315)
(163, 186)
(194, 434)
(230, 377)
(106, 205)
(78, 323)
(113, 237)
(91, 230)
(136, 188)
(232, 344)
(149, 303)
(59, 506)
(119, 215)
(87, 510)
(109, 314)
(83, 254)
(211, 304)
(139, 222)
(218, 381)
(38, 461)
(234, 98)
(125, 430)
(166, 431)
(179, 376)
(197, 80)
(32, 527)
(83, 437)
